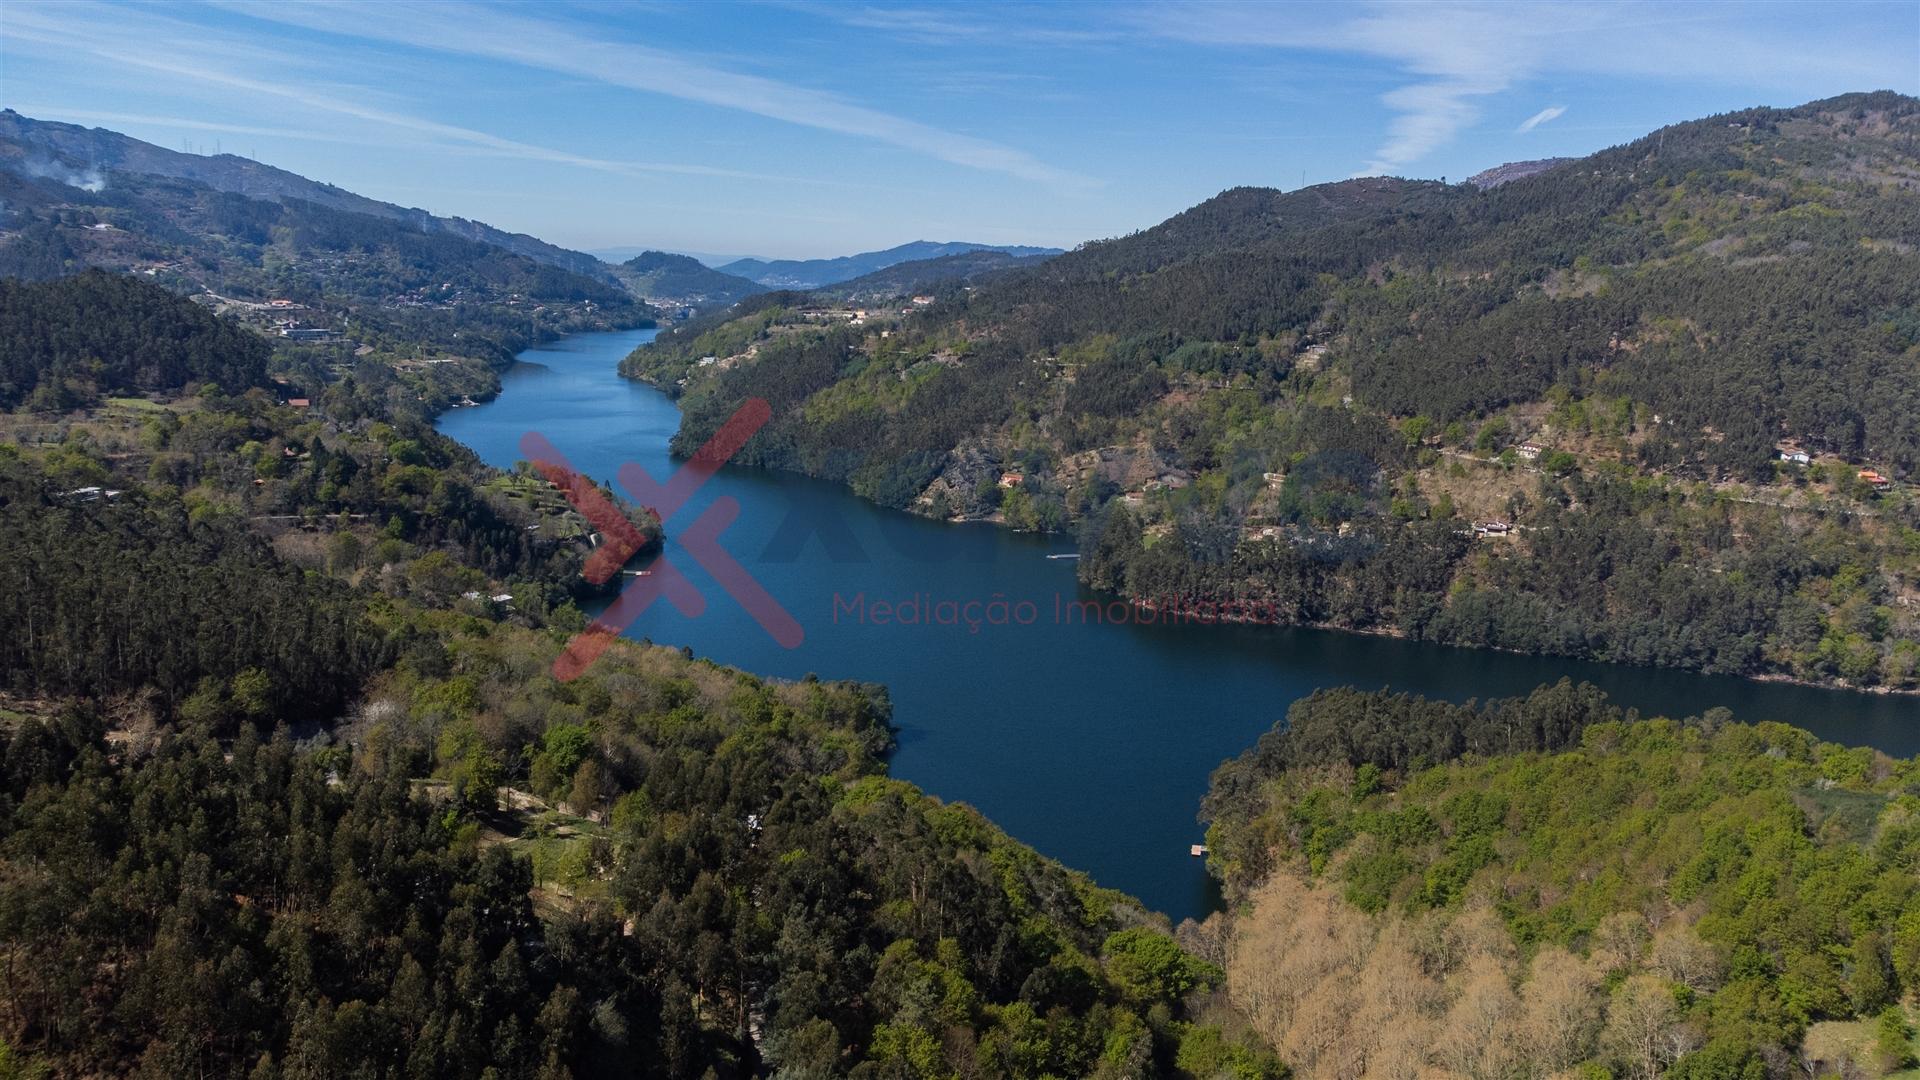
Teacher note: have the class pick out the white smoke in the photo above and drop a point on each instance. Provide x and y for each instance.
(89, 179)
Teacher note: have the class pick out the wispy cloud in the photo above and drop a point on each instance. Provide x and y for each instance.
(498, 34)
(1551, 112)
(138, 50)
(947, 26)
(1456, 55)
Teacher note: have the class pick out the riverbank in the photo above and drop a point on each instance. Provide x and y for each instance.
(1375, 575)
(1093, 743)
(1395, 633)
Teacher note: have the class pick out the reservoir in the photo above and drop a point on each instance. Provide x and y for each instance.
(1089, 738)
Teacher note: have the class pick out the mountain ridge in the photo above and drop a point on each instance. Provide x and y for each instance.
(815, 273)
(1515, 170)
(305, 261)
(920, 275)
(88, 150)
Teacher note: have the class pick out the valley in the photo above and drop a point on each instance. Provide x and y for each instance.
(1388, 627)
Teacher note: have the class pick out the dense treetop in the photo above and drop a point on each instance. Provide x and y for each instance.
(1645, 897)
(63, 343)
(467, 866)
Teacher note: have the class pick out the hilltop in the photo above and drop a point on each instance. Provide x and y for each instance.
(1514, 170)
(923, 275)
(683, 280)
(814, 273)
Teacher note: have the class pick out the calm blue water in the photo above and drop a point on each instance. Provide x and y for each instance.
(1093, 743)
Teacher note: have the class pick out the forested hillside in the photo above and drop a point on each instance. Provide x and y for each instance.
(814, 273)
(705, 875)
(658, 275)
(289, 788)
(1543, 885)
(1652, 406)
(64, 343)
(93, 590)
(927, 275)
(288, 252)
(84, 156)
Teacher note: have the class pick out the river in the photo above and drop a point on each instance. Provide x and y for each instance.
(1090, 741)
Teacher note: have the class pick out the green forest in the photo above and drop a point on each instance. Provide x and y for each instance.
(1545, 884)
(1311, 401)
(289, 786)
(286, 790)
(56, 354)
(699, 874)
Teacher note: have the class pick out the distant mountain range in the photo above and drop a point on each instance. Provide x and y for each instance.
(815, 273)
(665, 277)
(72, 197)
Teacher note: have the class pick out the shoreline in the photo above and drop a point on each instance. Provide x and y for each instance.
(1769, 677)
(1397, 634)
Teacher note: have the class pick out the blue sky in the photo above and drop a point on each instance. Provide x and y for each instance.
(802, 129)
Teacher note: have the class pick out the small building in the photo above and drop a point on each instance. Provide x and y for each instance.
(1011, 479)
(1875, 480)
(279, 302)
(1492, 528)
(1198, 851)
(89, 494)
(299, 402)
(1795, 457)
(1528, 451)
(922, 301)
(306, 333)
